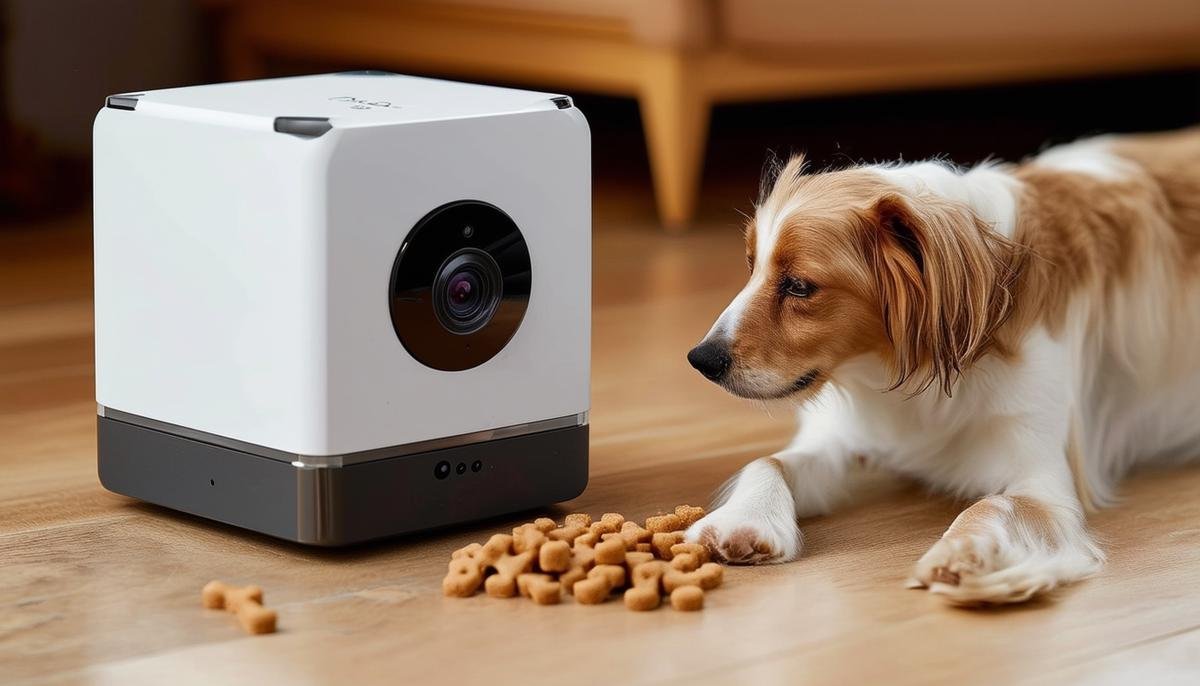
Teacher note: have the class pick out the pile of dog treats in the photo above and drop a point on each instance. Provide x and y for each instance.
(590, 560)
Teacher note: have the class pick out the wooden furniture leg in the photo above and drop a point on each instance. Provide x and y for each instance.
(675, 114)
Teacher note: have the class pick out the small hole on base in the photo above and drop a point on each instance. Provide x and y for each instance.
(212, 482)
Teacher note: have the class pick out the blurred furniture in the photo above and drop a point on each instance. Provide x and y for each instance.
(24, 171)
(681, 57)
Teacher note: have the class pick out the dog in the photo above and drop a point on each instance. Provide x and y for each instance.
(1016, 335)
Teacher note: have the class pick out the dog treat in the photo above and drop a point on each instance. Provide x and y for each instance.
(467, 550)
(497, 545)
(234, 597)
(582, 561)
(256, 619)
(662, 542)
(542, 588)
(614, 573)
(614, 518)
(245, 602)
(577, 519)
(524, 580)
(610, 523)
(464, 578)
(711, 575)
(583, 557)
(589, 559)
(685, 562)
(664, 523)
(646, 579)
(634, 534)
(572, 576)
(567, 533)
(528, 537)
(555, 556)
(503, 584)
(642, 599)
(630, 535)
(469, 563)
(611, 551)
(689, 515)
(598, 529)
(696, 549)
(545, 592)
(592, 590)
(649, 573)
(213, 595)
(707, 577)
(634, 559)
(687, 598)
(218, 595)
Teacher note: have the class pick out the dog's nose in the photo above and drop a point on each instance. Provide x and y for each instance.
(711, 358)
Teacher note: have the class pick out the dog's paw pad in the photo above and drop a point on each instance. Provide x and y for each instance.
(736, 540)
(942, 575)
(745, 545)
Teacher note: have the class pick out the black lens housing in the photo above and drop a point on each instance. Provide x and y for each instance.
(460, 285)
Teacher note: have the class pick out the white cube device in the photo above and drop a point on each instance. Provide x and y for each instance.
(341, 307)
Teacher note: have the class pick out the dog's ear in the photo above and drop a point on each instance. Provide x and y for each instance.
(779, 178)
(944, 280)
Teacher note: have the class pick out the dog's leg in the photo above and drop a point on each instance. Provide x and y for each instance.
(1010, 547)
(755, 522)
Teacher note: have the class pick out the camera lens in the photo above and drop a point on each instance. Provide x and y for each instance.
(442, 470)
(463, 293)
(467, 290)
(476, 465)
(461, 468)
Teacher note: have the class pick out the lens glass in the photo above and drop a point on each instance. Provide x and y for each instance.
(463, 293)
(467, 289)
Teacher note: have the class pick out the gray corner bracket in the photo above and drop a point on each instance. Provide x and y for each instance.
(366, 72)
(310, 127)
(562, 103)
(128, 101)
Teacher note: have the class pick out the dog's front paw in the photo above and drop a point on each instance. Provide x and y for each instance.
(740, 537)
(1007, 549)
(977, 569)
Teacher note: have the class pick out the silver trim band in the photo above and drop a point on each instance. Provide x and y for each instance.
(319, 461)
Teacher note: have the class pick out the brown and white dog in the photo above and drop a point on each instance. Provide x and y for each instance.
(1021, 335)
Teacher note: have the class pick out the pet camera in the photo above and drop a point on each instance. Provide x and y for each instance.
(342, 307)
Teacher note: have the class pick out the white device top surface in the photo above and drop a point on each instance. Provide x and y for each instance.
(349, 99)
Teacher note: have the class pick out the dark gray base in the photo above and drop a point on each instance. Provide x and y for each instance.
(333, 506)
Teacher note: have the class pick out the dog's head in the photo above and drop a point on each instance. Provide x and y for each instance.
(847, 264)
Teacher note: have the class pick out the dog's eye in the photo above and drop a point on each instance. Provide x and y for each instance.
(798, 288)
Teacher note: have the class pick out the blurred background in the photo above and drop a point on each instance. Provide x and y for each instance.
(685, 97)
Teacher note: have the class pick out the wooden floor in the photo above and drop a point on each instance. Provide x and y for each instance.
(97, 587)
